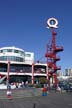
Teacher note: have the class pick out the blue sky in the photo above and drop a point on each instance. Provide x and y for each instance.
(23, 24)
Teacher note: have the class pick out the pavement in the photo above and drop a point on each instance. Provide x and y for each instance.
(28, 98)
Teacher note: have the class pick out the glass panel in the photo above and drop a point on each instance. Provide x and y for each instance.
(3, 70)
(28, 55)
(39, 69)
(1, 51)
(12, 58)
(9, 50)
(21, 53)
(21, 68)
(16, 51)
(5, 50)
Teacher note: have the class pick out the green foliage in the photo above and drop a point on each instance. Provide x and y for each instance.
(37, 85)
(43, 80)
(30, 85)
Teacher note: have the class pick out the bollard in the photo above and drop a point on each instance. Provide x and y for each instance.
(9, 94)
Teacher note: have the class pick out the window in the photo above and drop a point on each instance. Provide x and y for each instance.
(1, 51)
(5, 50)
(21, 53)
(11, 58)
(3, 69)
(16, 51)
(28, 55)
(9, 50)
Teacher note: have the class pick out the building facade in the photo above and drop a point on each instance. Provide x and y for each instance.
(20, 65)
(68, 72)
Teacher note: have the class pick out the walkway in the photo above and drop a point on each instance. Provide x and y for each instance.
(53, 100)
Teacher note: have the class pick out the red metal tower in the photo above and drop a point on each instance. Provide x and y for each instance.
(51, 54)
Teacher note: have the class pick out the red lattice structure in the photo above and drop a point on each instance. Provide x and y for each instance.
(52, 58)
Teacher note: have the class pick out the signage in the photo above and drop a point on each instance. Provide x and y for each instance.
(52, 23)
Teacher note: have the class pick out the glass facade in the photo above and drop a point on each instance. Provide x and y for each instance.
(21, 68)
(19, 79)
(12, 58)
(12, 50)
(3, 67)
(27, 55)
(40, 69)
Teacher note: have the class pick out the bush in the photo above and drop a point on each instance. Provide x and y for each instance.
(38, 85)
(43, 80)
(30, 85)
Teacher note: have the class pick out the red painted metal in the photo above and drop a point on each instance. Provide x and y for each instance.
(32, 73)
(52, 58)
(8, 71)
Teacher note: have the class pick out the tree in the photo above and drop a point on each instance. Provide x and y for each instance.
(43, 80)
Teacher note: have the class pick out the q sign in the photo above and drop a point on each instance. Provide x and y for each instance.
(52, 23)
